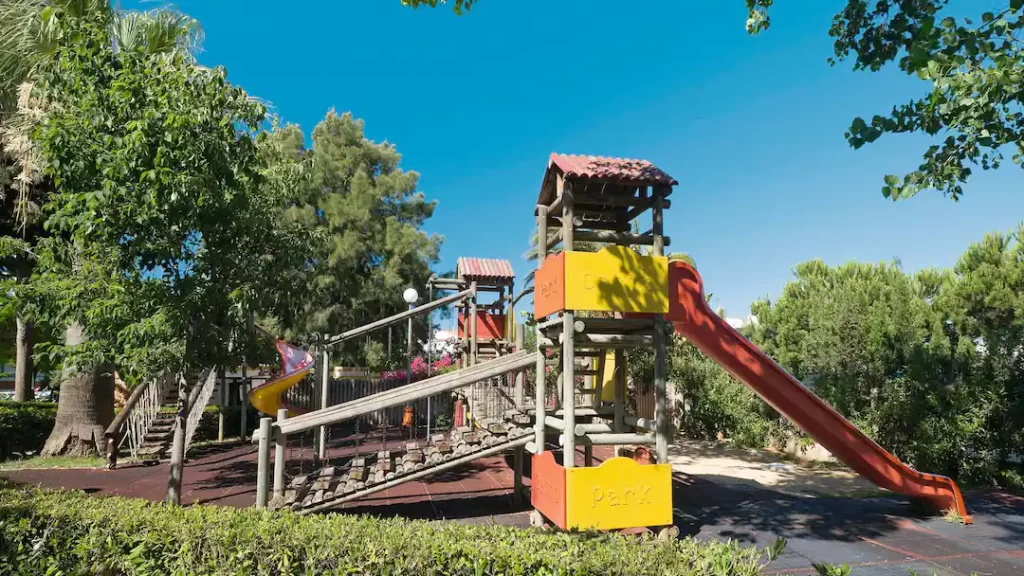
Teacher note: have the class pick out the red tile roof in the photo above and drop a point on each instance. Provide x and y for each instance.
(484, 269)
(618, 170)
(612, 170)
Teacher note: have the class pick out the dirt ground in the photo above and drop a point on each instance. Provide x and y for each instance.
(740, 468)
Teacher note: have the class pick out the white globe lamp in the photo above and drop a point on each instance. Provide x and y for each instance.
(410, 295)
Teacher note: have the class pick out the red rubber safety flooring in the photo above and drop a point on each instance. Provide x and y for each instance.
(883, 535)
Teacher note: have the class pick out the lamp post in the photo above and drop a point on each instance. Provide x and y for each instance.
(411, 296)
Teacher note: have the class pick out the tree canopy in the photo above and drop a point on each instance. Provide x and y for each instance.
(162, 232)
(928, 363)
(974, 64)
(367, 215)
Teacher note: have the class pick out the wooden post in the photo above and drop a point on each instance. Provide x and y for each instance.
(430, 328)
(568, 389)
(280, 445)
(619, 381)
(243, 404)
(472, 327)
(540, 372)
(222, 401)
(661, 417)
(517, 476)
(511, 311)
(325, 380)
(568, 344)
(263, 464)
(599, 381)
(520, 381)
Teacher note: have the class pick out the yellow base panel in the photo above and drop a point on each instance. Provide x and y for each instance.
(620, 493)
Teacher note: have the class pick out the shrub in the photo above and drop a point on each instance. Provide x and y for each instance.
(46, 532)
(24, 426)
(209, 422)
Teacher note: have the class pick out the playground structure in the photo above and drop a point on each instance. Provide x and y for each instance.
(590, 308)
(618, 298)
(486, 421)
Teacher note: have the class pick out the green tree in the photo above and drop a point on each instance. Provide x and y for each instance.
(163, 234)
(974, 64)
(927, 364)
(29, 32)
(367, 217)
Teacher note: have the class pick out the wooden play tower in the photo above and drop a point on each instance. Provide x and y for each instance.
(590, 307)
(483, 327)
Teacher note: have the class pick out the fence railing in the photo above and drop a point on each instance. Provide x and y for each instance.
(306, 396)
(142, 414)
(207, 381)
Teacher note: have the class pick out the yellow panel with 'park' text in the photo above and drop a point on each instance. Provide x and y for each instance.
(620, 493)
(616, 279)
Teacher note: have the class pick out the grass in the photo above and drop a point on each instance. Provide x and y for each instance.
(53, 463)
(952, 515)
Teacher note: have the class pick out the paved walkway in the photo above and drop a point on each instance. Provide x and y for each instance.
(719, 493)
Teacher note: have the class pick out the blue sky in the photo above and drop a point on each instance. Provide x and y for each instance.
(752, 127)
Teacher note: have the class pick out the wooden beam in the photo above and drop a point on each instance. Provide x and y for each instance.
(641, 208)
(553, 240)
(618, 238)
(612, 340)
(555, 208)
(615, 325)
(408, 393)
(608, 439)
(609, 200)
(396, 318)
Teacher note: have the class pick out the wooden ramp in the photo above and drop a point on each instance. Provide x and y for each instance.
(361, 476)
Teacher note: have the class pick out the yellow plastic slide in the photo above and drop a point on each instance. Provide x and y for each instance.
(296, 363)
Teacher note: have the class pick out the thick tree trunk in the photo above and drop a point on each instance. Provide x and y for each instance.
(24, 369)
(85, 409)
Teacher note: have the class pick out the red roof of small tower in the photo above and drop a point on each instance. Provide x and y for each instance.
(624, 171)
(617, 170)
(487, 269)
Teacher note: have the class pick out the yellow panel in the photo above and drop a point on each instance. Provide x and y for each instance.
(620, 493)
(616, 279)
(608, 386)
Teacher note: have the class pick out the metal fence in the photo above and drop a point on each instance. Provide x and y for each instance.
(306, 396)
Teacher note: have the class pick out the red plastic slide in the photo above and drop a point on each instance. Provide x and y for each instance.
(689, 312)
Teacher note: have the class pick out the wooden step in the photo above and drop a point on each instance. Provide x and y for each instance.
(367, 471)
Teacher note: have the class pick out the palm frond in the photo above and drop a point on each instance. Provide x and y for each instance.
(159, 31)
(20, 24)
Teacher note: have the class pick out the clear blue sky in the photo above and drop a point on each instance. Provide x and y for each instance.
(752, 127)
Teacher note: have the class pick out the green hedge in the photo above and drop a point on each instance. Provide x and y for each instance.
(24, 426)
(46, 532)
(209, 423)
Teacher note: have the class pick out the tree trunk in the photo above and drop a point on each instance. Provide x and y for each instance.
(85, 409)
(24, 370)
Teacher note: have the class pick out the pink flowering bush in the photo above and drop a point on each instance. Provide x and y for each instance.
(419, 369)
